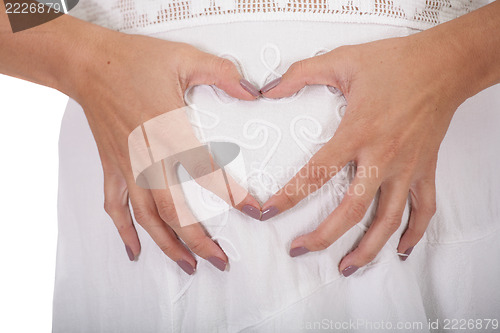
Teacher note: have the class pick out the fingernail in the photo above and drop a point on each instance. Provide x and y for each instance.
(250, 88)
(268, 213)
(251, 211)
(270, 85)
(349, 270)
(298, 251)
(186, 267)
(407, 252)
(217, 262)
(130, 254)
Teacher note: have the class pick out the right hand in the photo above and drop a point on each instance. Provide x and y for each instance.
(132, 79)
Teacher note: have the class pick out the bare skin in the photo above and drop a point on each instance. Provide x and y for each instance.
(402, 92)
(122, 81)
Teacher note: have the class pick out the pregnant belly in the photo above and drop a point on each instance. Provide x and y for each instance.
(276, 138)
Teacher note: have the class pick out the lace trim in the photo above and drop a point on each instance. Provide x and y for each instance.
(149, 16)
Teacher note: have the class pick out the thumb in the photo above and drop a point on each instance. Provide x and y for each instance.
(316, 70)
(212, 70)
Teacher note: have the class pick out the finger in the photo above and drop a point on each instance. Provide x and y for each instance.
(197, 240)
(212, 70)
(116, 197)
(316, 70)
(423, 208)
(325, 164)
(191, 232)
(202, 167)
(391, 206)
(146, 215)
(351, 210)
(116, 205)
(196, 159)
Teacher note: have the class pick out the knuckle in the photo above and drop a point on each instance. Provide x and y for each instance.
(417, 232)
(201, 170)
(167, 247)
(298, 67)
(429, 209)
(142, 215)
(166, 210)
(197, 245)
(321, 241)
(356, 211)
(114, 207)
(110, 207)
(316, 177)
(392, 222)
(290, 196)
(225, 65)
(182, 61)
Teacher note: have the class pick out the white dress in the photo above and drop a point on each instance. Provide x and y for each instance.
(452, 274)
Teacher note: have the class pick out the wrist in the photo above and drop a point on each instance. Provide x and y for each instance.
(465, 51)
(87, 53)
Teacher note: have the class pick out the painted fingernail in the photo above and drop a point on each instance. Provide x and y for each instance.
(250, 88)
(270, 85)
(130, 254)
(268, 213)
(217, 262)
(186, 267)
(405, 255)
(349, 270)
(298, 251)
(251, 211)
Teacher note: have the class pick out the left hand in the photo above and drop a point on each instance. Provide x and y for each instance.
(401, 98)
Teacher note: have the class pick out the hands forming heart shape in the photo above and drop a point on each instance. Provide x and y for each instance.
(397, 115)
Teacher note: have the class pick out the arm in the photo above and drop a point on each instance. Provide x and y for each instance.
(51, 54)
(121, 81)
(467, 49)
(401, 94)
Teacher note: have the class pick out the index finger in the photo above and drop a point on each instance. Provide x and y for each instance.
(351, 210)
(324, 165)
(157, 146)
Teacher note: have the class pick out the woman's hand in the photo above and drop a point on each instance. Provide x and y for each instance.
(122, 81)
(125, 82)
(401, 95)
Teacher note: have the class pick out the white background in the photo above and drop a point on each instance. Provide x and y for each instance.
(30, 120)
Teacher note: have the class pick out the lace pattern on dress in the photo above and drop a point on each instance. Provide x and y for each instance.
(150, 16)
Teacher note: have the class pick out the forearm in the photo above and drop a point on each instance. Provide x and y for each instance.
(52, 54)
(469, 48)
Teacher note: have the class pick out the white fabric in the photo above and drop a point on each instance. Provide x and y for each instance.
(149, 16)
(452, 273)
